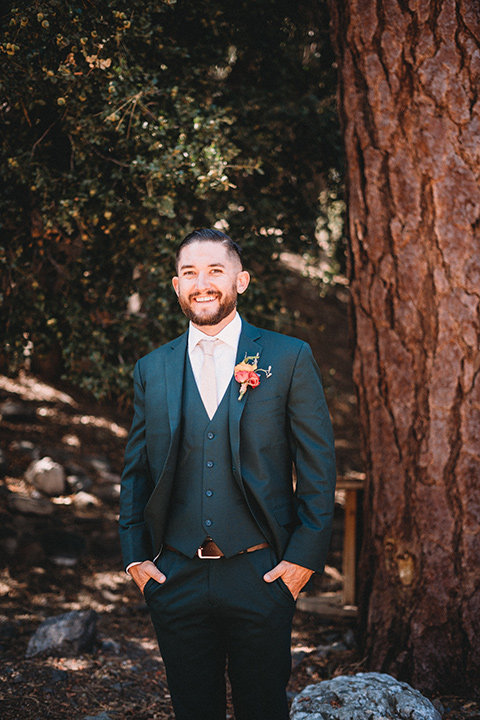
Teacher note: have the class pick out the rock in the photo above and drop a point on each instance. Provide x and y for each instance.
(79, 482)
(364, 696)
(298, 654)
(28, 505)
(64, 635)
(12, 411)
(46, 475)
(325, 651)
(59, 675)
(109, 645)
(102, 716)
(83, 500)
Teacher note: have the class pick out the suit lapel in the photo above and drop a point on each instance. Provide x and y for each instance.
(247, 347)
(174, 374)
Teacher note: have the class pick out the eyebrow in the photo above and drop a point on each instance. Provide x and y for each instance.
(187, 267)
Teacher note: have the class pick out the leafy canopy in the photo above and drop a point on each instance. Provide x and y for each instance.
(126, 125)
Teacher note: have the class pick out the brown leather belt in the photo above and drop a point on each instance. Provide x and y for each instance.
(209, 550)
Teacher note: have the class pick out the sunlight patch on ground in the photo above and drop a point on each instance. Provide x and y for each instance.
(31, 388)
(147, 643)
(78, 663)
(94, 420)
(101, 423)
(110, 580)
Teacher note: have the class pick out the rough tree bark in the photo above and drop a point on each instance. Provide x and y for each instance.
(410, 107)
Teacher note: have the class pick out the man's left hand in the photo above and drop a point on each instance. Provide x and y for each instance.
(294, 576)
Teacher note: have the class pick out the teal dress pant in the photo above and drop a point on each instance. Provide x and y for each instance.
(210, 615)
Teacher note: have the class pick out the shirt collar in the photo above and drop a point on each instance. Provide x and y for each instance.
(229, 335)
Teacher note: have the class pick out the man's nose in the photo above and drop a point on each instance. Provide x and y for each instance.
(203, 281)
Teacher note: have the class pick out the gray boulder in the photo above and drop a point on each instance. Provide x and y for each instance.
(27, 505)
(364, 696)
(47, 476)
(64, 635)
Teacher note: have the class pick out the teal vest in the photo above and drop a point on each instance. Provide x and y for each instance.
(206, 500)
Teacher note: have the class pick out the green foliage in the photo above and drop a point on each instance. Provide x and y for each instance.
(125, 126)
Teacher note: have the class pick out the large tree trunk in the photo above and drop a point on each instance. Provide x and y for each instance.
(409, 101)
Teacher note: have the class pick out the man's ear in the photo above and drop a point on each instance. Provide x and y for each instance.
(175, 284)
(243, 280)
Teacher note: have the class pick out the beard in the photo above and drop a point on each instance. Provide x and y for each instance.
(227, 303)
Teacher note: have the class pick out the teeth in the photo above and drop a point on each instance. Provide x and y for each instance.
(204, 299)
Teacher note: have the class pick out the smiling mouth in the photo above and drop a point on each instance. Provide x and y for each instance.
(205, 298)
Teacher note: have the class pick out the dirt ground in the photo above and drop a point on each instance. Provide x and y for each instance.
(123, 676)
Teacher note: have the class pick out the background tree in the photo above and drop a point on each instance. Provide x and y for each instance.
(126, 125)
(409, 78)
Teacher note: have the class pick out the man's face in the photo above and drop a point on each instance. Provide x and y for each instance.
(209, 279)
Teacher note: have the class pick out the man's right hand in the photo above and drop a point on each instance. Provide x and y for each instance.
(143, 572)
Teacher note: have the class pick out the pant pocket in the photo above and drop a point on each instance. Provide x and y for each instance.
(166, 564)
(285, 589)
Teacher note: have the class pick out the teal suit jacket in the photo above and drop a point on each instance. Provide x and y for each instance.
(284, 420)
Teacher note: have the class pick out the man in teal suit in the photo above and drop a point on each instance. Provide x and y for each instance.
(214, 531)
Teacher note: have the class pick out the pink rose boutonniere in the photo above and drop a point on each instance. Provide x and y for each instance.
(246, 373)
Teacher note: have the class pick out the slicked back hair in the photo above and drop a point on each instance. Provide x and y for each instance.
(210, 235)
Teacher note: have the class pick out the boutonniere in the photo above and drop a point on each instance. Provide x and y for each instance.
(246, 373)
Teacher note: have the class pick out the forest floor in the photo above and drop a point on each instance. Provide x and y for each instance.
(124, 675)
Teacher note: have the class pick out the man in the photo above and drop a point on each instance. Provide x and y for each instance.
(213, 531)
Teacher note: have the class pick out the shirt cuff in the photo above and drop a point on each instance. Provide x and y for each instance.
(127, 569)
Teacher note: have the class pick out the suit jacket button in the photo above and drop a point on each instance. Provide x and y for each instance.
(210, 463)
(210, 435)
(208, 523)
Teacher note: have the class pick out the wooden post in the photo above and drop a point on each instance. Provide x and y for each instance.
(349, 547)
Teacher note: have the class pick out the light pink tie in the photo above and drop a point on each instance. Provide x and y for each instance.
(208, 378)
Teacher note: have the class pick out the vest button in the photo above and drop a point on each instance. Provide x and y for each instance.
(209, 493)
(210, 463)
(210, 435)
(208, 523)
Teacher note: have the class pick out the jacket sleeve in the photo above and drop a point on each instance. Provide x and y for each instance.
(313, 452)
(137, 484)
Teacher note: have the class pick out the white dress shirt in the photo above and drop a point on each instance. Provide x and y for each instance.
(224, 353)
